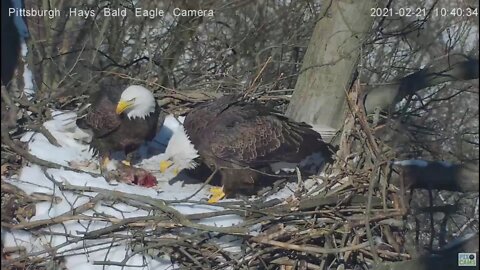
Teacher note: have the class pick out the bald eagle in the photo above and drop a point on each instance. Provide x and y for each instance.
(240, 139)
(120, 120)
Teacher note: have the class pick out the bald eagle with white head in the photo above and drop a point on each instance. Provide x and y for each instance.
(240, 139)
(120, 120)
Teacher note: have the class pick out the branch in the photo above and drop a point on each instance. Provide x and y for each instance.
(454, 67)
(440, 176)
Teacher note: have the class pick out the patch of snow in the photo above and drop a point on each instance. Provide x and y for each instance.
(279, 167)
(421, 163)
(67, 136)
(229, 243)
(28, 88)
(446, 163)
(311, 164)
(411, 162)
(284, 193)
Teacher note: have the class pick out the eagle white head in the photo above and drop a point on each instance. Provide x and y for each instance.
(136, 101)
(180, 153)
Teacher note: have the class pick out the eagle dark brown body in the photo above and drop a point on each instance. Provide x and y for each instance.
(113, 132)
(240, 138)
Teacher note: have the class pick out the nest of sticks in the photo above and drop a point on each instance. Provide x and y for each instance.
(351, 218)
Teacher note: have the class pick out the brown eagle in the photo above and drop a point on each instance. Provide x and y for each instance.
(120, 120)
(240, 139)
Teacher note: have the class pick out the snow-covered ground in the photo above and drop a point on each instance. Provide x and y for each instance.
(74, 150)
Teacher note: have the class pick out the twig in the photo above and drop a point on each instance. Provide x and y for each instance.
(161, 205)
(259, 73)
(360, 115)
(309, 248)
(367, 214)
(45, 163)
(209, 179)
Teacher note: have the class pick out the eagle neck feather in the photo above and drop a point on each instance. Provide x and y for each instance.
(132, 115)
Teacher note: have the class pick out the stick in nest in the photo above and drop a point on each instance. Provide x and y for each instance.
(209, 179)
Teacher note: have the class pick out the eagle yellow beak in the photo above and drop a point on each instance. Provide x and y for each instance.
(123, 105)
(164, 165)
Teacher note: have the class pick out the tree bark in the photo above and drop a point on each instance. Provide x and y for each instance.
(329, 63)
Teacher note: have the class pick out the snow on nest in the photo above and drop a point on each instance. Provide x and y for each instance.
(72, 149)
(421, 163)
(64, 129)
(311, 164)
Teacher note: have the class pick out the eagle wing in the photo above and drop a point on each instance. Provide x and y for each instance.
(201, 118)
(101, 117)
(250, 134)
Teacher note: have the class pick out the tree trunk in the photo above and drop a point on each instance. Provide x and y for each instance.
(329, 63)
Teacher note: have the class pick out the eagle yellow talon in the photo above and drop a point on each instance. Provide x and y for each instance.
(217, 194)
(105, 162)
